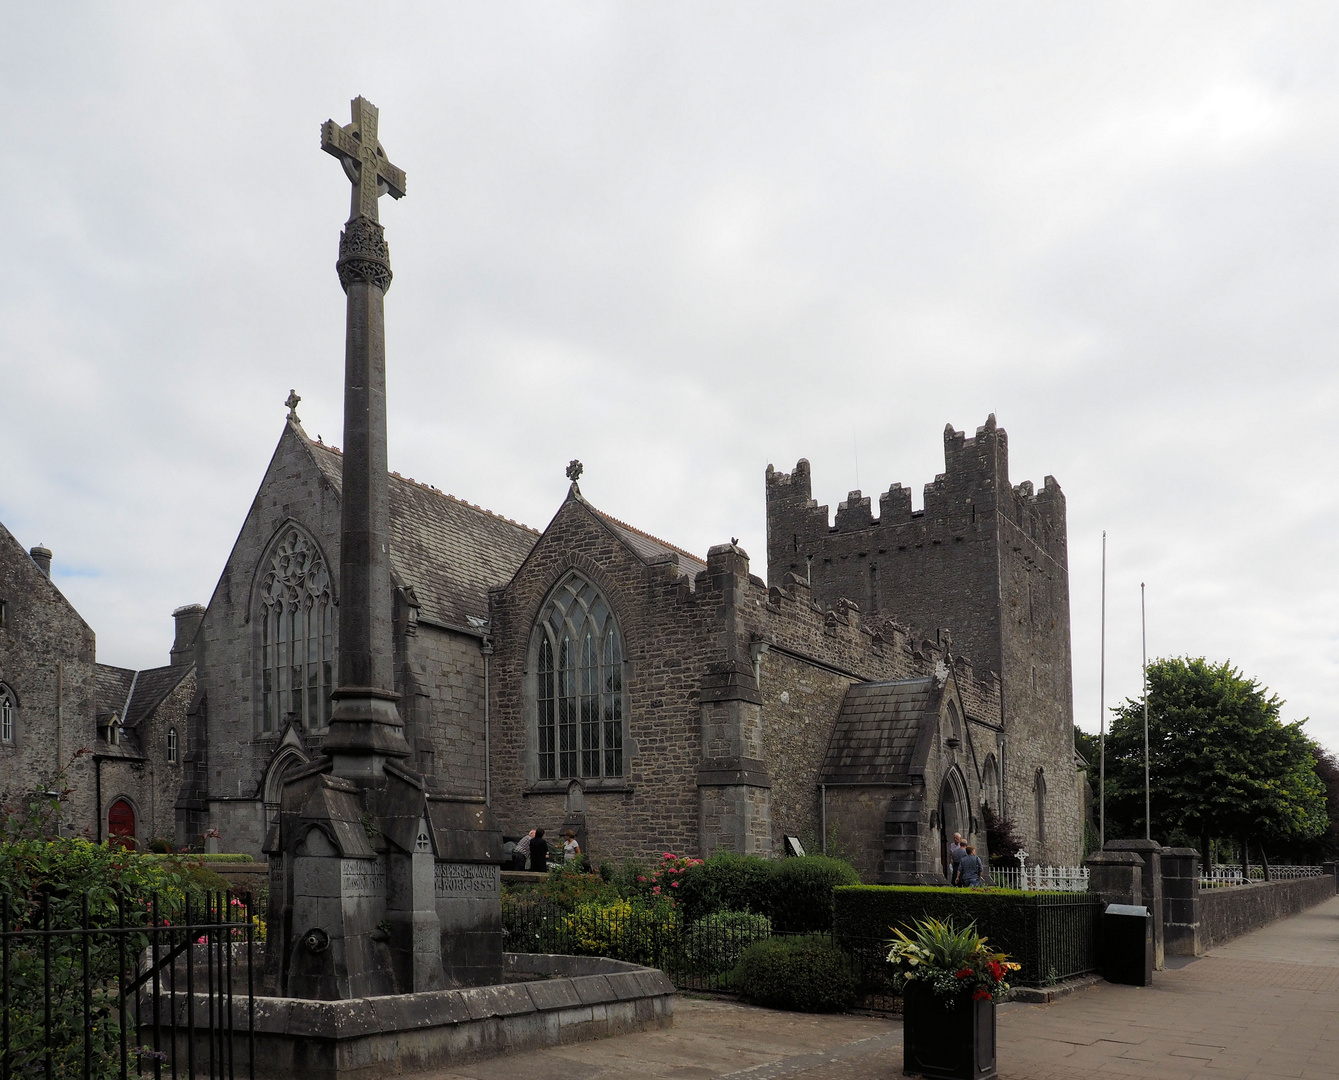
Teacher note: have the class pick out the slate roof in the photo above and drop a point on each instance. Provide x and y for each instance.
(449, 551)
(876, 732)
(113, 687)
(648, 546)
(151, 687)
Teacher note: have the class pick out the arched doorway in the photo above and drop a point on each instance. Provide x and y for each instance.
(121, 824)
(954, 815)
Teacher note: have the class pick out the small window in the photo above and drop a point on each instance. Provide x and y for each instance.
(1040, 789)
(4, 614)
(172, 745)
(7, 711)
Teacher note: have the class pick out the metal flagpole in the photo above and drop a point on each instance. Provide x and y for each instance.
(1102, 714)
(1143, 622)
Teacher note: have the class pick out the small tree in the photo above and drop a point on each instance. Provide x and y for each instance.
(1001, 837)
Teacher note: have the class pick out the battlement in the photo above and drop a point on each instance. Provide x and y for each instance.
(975, 482)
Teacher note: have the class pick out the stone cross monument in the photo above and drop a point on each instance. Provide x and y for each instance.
(378, 884)
(366, 728)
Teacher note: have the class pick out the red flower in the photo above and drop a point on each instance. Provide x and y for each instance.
(981, 994)
(996, 972)
(674, 884)
(965, 973)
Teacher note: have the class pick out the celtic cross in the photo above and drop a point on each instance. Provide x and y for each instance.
(365, 162)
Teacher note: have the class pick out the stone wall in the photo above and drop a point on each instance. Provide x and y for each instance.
(47, 659)
(1228, 912)
(442, 683)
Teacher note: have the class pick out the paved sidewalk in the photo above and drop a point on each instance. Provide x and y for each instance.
(1259, 1007)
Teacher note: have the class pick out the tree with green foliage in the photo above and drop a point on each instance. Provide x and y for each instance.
(1222, 762)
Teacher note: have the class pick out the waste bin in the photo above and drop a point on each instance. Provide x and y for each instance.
(1127, 944)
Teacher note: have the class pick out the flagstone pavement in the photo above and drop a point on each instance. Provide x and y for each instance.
(1263, 1006)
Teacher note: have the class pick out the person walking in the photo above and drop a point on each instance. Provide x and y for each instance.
(539, 852)
(956, 850)
(969, 868)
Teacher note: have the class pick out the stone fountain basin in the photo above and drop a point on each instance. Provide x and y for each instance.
(553, 1000)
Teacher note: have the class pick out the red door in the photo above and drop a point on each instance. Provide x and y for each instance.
(121, 824)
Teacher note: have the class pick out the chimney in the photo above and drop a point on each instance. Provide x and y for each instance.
(42, 557)
(188, 620)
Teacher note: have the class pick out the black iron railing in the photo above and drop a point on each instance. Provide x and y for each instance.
(133, 988)
(1060, 936)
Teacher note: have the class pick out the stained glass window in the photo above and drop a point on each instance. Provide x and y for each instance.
(297, 660)
(579, 702)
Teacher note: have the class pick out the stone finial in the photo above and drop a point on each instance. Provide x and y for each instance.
(574, 469)
(292, 405)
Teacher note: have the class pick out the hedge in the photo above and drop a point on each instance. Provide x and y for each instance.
(1050, 934)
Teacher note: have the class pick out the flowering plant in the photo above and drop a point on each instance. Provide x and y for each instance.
(662, 884)
(949, 961)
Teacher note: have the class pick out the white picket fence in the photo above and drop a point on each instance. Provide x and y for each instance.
(1219, 876)
(1041, 878)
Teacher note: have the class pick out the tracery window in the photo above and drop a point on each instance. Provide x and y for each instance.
(579, 699)
(7, 711)
(297, 652)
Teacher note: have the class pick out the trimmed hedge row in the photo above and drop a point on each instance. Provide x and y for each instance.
(871, 911)
(1050, 934)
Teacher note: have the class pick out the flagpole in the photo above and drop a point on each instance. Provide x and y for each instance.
(1102, 714)
(1143, 622)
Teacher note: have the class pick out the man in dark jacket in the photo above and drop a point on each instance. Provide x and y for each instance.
(539, 852)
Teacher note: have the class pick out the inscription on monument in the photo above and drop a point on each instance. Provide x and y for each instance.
(361, 877)
(467, 879)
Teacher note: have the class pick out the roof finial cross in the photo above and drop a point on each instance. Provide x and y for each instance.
(574, 470)
(365, 162)
(292, 404)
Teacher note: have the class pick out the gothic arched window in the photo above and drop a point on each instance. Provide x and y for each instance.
(297, 651)
(579, 698)
(8, 710)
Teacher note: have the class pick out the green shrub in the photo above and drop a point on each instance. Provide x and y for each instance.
(713, 945)
(807, 974)
(802, 892)
(728, 882)
(622, 930)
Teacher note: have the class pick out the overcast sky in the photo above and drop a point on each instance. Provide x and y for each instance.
(683, 241)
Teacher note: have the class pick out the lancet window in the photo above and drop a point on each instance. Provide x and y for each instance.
(297, 649)
(7, 713)
(579, 698)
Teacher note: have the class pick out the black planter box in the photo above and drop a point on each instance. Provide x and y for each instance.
(952, 1038)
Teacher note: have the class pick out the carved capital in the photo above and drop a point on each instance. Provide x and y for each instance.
(364, 254)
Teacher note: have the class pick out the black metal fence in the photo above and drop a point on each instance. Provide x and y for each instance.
(1060, 937)
(158, 988)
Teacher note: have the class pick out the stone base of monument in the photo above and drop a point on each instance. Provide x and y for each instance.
(553, 1000)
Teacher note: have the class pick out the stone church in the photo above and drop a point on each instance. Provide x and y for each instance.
(891, 676)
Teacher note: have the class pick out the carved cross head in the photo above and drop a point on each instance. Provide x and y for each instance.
(365, 162)
(574, 470)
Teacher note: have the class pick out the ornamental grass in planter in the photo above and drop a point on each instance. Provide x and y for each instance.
(949, 980)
